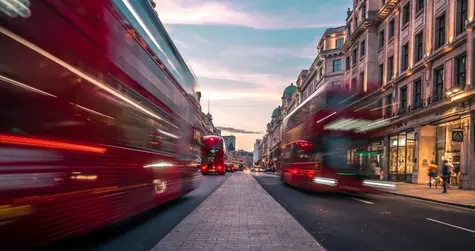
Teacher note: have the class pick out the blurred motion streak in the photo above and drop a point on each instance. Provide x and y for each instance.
(15, 140)
(14, 8)
(79, 73)
(16, 83)
(318, 138)
(114, 131)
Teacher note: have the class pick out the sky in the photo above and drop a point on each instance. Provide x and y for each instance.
(245, 52)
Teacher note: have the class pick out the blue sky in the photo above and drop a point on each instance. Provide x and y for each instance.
(245, 52)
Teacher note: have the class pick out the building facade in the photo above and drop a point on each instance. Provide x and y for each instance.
(414, 60)
(256, 153)
(328, 66)
(230, 142)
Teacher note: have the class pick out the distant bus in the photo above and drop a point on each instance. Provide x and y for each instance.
(213, 155)
(317, 137)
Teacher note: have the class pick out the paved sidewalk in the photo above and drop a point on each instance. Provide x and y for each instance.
(457, 197)
(240, 215)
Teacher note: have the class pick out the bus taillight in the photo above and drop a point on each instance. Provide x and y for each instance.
(204, 167)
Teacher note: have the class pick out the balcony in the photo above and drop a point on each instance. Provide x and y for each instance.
(386, 9)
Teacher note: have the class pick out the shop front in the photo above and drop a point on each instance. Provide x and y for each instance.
(450, 139)
(401, 156)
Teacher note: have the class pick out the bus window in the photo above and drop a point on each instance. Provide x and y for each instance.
(335, 152)
(301, 152)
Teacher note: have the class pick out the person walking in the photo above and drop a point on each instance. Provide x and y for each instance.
(445, 174)
(432, 174)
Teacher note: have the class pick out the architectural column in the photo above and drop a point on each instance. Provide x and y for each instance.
(467, 165)
(386, 157)
(416, 174)
(429, 27)
(470, 57)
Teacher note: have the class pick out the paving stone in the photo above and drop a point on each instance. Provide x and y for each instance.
(239, 215)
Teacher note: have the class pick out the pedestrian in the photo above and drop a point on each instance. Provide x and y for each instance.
(445, 174)
(432, 174)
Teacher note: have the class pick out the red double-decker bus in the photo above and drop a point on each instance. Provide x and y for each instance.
(317, 138)
(213, 155)
(97, 117)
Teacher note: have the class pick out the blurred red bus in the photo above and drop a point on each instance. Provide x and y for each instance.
(213, 155)
(317, 137)
(97, 118)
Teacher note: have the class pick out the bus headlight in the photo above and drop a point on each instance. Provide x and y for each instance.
(379, 184)
(325, 181)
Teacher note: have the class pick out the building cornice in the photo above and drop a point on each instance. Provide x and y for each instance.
(373, 17)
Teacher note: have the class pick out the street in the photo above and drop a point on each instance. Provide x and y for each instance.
(144, 231)
(340, 222)
(238, 215)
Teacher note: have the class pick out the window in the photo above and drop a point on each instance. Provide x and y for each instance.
(406, 13)
(405, 57)
(403, 98)
(390, 68)
(381, 39)
(462, 9)
(362, 79)
(419, 47)
(419, 5)
(347, 61)
(339, 43)
(389, 107)
(417, 94)
(381, 74)
(440, 31)
(353, 59)
(391, 29)
(353, 84)
(362, 48)
(439, 84)
(461, 71)
(337, 65)
(363, 10)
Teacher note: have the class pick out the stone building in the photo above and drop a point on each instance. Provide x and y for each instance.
(414, 61)
(327, 68)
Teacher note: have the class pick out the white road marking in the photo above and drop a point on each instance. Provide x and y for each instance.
(364, 201)
(450, 225)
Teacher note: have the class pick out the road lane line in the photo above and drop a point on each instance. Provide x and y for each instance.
(450, 225)
(364, 201)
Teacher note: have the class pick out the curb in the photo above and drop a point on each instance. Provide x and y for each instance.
(432, 200)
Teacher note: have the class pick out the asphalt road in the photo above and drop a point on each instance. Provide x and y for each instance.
(144, 231)
(341, 222)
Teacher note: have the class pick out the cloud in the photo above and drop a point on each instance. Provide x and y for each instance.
(227, 84)
(300, 52)
(215, 70)
(222, 13)
(235, 130)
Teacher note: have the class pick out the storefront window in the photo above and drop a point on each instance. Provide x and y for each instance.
(401, 156)
(393, 155)
(449, 146)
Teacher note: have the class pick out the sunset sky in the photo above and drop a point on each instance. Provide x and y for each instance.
(245, 52)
